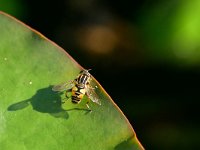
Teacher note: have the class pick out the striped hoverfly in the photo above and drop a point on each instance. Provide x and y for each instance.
(79, 87)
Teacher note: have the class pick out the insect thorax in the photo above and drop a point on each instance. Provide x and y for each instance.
(83, 79)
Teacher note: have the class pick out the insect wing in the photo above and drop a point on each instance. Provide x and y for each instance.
(92, 95)
(63, 86)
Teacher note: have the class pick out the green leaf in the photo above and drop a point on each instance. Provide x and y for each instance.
(31, 114)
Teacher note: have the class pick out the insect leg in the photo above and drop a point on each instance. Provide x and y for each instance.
(87, 104)
(67, 96)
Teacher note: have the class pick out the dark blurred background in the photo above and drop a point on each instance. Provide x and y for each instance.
(146, 54)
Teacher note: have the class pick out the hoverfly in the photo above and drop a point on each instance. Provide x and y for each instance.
(79, 87)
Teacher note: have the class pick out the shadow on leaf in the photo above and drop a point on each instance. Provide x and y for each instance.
(44, 101)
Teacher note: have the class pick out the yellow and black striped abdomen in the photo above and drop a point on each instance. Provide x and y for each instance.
(77, 94)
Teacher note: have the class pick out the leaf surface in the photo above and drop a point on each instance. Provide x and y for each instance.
(31, 114)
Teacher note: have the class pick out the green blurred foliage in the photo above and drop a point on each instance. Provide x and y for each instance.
(16, 8)
(172, 31)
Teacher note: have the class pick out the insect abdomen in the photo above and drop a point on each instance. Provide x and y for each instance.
(77, 94)
(76, 99)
